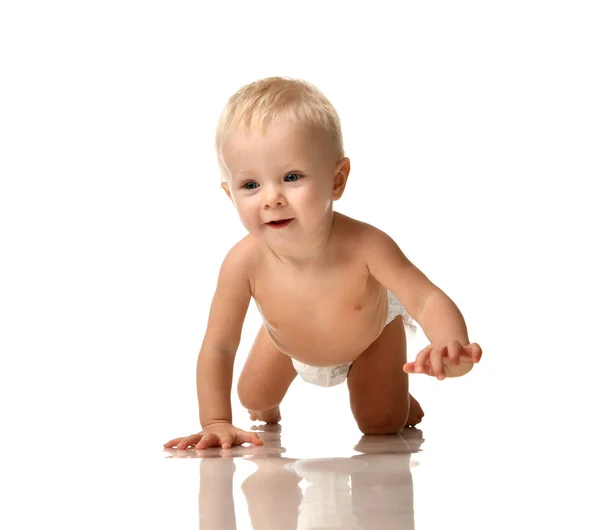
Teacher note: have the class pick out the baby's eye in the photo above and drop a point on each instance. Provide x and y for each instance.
(244, 185)
(294, 175)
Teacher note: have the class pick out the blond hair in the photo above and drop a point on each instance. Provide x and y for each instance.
(255, 105)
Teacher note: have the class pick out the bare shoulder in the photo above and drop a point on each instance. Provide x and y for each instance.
(351, 229)
(243, 260)
(356, 240)
(388, 264)
(248, 252)
(378, 247)
(244, 252)
(361, 235)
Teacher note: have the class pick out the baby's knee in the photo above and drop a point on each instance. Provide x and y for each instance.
(391, 423)
(384, 428)
(254, 399)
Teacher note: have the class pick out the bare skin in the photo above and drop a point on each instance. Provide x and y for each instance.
(310, 280)
(338, 308)
(415, 414)
(377, 384)
(330, 322)
(320, 282)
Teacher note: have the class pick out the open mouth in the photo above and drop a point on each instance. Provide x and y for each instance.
(280, 224)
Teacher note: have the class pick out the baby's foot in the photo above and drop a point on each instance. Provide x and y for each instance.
(268, 416)
(415, 413)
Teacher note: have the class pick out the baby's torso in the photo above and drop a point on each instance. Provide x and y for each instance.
(321, 317)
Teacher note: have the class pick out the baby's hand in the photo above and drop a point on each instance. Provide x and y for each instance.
(214, 435)
(445, 360)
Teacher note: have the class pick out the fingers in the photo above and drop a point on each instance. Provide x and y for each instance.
(421, 359)
(181, 442)
(185, 442)
(210, 439)
(243, 437)
(430, 360)
(228, 440)
(409, 368)
(225, 438)
(253, 438)
(454, 349)
(436, 360)
(475, 351)
(172, 443)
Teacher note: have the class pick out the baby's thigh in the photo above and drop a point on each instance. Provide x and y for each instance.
(377, 383)
(266, 376)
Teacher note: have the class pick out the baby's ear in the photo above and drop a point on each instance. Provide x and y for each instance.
(226, 189)
(342, 170)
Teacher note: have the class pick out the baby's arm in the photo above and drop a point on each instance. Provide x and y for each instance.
(436, 313)
(214, 370)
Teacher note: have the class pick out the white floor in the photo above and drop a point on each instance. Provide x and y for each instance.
(472, 128)
(477, 461)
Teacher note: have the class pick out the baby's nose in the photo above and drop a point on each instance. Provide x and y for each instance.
(273, 197)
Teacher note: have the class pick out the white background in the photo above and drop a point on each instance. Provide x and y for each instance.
(473, 132)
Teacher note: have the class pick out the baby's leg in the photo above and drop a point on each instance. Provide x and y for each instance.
(265, 379)
(378, 386)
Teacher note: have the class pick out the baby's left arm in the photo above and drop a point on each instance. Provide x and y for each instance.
(450, 353)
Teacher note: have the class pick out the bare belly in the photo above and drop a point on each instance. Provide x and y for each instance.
(328, 333)
(328, 312)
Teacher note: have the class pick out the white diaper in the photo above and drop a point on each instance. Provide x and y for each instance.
(334, 375)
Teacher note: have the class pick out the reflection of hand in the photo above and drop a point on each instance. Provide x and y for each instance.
(443, 359)
(252, 453)
(214, 435)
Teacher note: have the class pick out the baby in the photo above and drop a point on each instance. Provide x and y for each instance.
(329, 288)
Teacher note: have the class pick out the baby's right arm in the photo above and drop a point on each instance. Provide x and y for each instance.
(227, 313)
(214, 370)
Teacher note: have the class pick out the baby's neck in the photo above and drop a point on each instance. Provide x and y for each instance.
(314, 256)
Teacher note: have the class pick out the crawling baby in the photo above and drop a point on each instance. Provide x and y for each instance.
(337, 296)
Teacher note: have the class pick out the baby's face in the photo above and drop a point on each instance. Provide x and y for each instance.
(287, 172)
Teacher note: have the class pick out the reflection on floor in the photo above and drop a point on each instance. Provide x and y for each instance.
(371, 489)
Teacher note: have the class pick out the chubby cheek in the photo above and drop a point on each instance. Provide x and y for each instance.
(314, 201)
(249, 216)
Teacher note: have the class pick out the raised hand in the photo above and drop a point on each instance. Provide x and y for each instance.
(445, 359)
